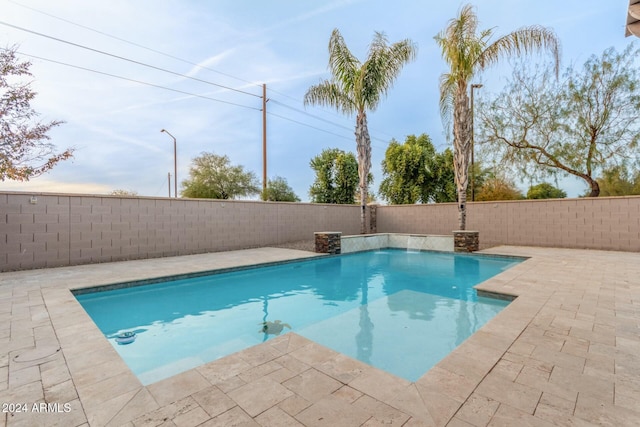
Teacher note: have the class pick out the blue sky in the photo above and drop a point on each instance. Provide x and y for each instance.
(115, 124)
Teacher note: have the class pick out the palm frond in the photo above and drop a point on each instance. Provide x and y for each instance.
(525, 40)
(342, 63)
(330, 94)
(454, 38)
(382, 67)
(461, 46)
(448, 88)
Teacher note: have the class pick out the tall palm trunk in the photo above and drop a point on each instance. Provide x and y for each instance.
(363, 146)
(462, 147)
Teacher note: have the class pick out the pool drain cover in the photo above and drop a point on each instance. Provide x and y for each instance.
(36, 354)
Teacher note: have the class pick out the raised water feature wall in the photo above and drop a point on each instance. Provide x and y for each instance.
(415, 242)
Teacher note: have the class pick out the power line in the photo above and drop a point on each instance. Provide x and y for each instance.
(137, 81)
(308, 125)
(125, 59)
(309, 114)
(171, 72)
(165, 70)
(195, 95)
(323, 120)
(317, 128)
(131, 43)
(189, 94)
(178, 74)
(330, 112)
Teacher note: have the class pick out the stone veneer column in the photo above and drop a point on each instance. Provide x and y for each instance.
(373, 219)
(466, 241)
(328, 242)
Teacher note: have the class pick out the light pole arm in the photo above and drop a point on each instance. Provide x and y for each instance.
(175, 162)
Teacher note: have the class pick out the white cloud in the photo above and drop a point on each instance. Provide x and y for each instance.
(209, 62)
(47, 185)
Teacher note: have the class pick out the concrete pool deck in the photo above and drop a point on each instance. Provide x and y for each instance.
(565, 352)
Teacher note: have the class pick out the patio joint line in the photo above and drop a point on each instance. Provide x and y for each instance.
(498, 361)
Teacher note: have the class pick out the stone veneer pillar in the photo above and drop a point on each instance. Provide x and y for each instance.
(466, 241)
(373, 219)
(328, 242)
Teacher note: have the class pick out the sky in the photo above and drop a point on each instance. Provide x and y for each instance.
(196, 69)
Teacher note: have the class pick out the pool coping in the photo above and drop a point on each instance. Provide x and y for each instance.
(163, 279)
(479, 375)
(159, 279)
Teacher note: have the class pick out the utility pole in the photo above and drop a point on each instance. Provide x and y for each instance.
(264, 138)
(169, 179)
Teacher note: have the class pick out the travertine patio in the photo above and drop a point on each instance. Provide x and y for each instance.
(565, 352)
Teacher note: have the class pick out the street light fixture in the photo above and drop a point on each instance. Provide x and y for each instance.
(473, 173)
(175, 162)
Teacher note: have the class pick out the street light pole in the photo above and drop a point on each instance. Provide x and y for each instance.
(473, 173)
(175, 163)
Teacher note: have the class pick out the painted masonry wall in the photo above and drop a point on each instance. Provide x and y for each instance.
(610, 223)
(74, 229)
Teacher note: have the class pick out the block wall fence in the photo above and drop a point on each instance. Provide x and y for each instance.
(608, 223)
(49, 230)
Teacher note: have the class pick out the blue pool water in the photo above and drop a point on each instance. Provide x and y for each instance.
(397, 310)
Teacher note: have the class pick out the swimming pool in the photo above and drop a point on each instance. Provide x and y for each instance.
(397, 310)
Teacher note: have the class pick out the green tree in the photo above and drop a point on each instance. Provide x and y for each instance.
(498, 188)
(213, 177)
(124, 193)
(545, 190)
(415, 172)
(444, 190)
(278, 190)
(407, 169)
(336, 177)
(467, 53)
(588, 122)
(24, 152)
(617, 181)
(357, 87)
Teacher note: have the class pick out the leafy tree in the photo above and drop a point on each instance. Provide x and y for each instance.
(467, 52)
(336, 177)
(357, 87)
(617, 181)
(586, 123)
(498, 188)
(407, 169)
(24, 152)
(444, 189)
(416, 173)
(278, 190)
(545, 190)
(124, 193)
(213, 177)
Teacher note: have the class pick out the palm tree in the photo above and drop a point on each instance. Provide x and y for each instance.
(356, 87)
(468, 52)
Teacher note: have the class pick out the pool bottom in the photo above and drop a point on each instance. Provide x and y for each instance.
(420, 319)
(398, 333)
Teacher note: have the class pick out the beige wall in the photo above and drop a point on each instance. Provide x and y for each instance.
(73, 229)
(611, 223)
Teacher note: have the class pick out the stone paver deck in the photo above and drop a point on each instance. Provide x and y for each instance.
(565, 352)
